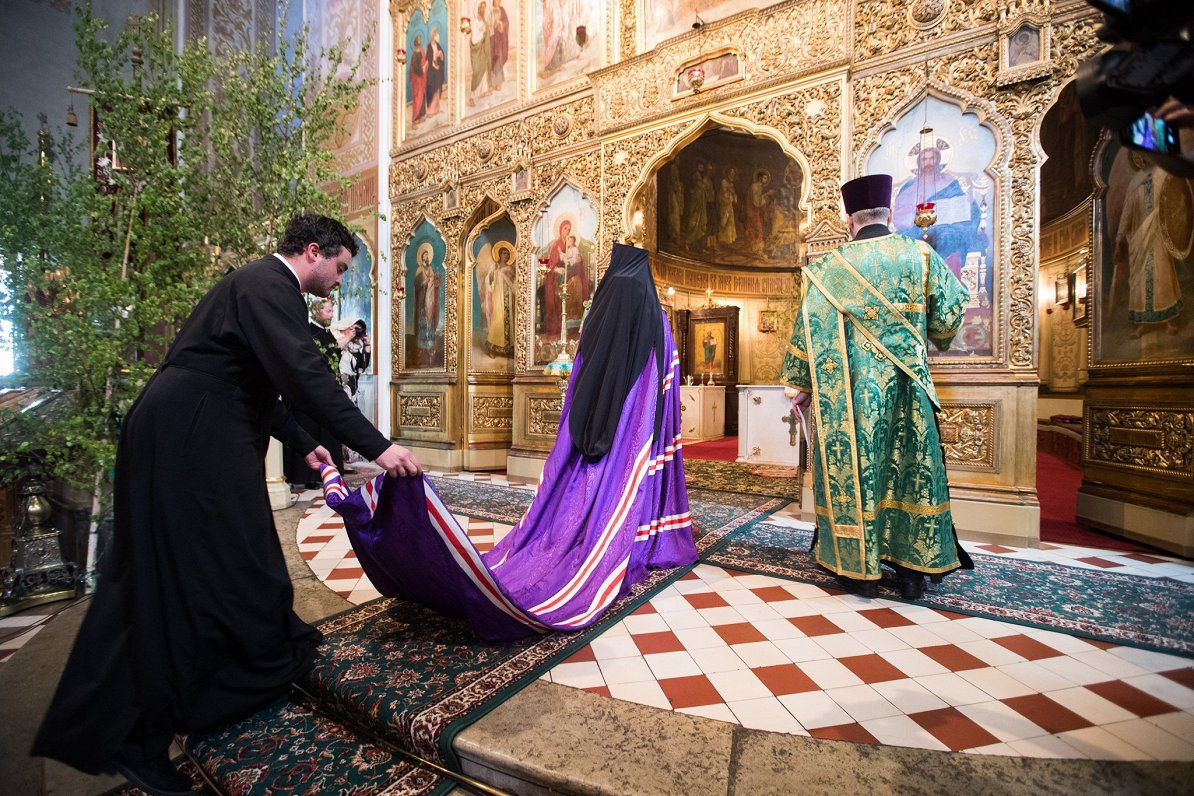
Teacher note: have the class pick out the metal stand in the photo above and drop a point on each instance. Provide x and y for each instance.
(38, 573)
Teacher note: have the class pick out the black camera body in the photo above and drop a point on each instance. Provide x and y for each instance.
(1152, 59)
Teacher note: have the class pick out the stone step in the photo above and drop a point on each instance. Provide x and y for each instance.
(290, 748)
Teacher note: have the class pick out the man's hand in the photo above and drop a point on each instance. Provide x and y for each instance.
(800, 400)
(317, 457)
(397, 460)
(1176, 113)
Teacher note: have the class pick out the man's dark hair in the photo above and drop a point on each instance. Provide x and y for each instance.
(328, 233)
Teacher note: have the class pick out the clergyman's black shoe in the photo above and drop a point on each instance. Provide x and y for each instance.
(157, 778)
(912, 587)
(868, 589)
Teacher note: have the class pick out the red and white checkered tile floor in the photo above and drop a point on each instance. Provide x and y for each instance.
(776, 655)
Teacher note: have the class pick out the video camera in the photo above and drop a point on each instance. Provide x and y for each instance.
(1152, 59)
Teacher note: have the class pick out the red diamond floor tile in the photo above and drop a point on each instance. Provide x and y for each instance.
(785, 679)
(1131, 698)
(603, 690)
(705, 600)
(773, 594)
(690, 575)
(814, 625)
(308, 554)
(332, 525)
(872, 668)
(1047, 714)
(855, 733)
(1182, 676)
(1103, 645)
(953, 658)
(317, 539)
(690, 692)
(662, 641)
(953, 728)
(996, 548)
(1144, 558)
(739, 633)
(885, 617)
(645, 608)
(1095, 561)
(582, 655)
(1026, 647)
(340, 573)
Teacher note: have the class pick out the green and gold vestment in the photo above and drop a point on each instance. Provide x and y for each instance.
(859, 347)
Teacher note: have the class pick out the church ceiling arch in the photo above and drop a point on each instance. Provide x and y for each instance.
(743, 185)
(958, 166)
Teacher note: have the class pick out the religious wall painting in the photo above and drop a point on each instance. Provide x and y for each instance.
(666, 19)
(490, 76)
(356, 301)
(713, 70)
(731, 199)
(1143, 271)
(565, 247)
(492, 302)
(709, 348)
(424, 307)
(568, 40)
(427, 59)
(950, 170)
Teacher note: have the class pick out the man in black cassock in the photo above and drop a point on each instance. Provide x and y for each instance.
(192, 625)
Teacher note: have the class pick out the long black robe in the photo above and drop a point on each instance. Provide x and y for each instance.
(192, 624)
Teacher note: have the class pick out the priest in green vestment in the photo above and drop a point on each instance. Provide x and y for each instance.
(859, 355)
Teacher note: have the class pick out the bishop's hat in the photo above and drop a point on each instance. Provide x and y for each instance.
(865, 193)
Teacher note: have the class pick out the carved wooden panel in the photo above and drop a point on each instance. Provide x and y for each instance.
(421, 410)
(969, 434)
(1141, 438)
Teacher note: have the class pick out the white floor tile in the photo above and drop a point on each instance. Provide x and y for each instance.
(841, 645)
(755, 581)
(1001, 721)
(991, 653)
(758, 612)
(739, 597)
(759, 653)
(913, 663)
(877, 640)
(852, 621)
(800, 650)
(702, 637)
(1036, 677)
(995, 683)
(665, 665)
(862, 702)
(766, 714)
(917, 635)
(717, 659)
(739, 685)
(828, 674)
(902, 731)
(1098, 744)
(775, 629)
(1090, 705)
(1111, 665)
(920, 614)
(1067, 644)
(792, 608)
(1001, 749)
(804, 591)
(1073, 670)
(955, 633)
(828, 605)
(953, 689)
(1046, 746)
(987, 628)
(684, 620)
(645, 693)
(1149, 660)
(1157, 742)
(625, 670)
(608, 646)
(726, 615)
(585, 674)
(691, 587)
(1179, 723)
(813, 709)
(909, 696)
(645, 623)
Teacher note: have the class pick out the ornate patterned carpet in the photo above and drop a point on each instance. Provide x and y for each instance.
(395, 676)
(1151, 613)
(744, 478)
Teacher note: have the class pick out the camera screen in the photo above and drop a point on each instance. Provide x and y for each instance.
(1150, 133)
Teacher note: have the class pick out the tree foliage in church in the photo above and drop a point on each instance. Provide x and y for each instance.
(197, 160)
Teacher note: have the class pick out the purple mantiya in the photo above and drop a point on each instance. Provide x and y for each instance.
(593, 530)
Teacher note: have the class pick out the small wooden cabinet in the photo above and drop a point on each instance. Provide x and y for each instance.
(702, 412)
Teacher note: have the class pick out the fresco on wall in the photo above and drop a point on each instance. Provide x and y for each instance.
(665, 19)
(565, 244)
(427, 54)
(1144, 268)
(424, 307)
(568, 39)
(950, 172)
(354, 301)
(490, 77)
(492, 252)
(730, 199)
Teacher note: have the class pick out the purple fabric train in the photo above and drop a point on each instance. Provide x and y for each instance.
(593, 530)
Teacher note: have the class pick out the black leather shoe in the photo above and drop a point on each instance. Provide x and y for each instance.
(157, 778)
(912, 587)
(868, 589)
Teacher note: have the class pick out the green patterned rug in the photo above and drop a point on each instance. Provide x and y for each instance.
(1151, 613)
(744, 478)
(393, 675)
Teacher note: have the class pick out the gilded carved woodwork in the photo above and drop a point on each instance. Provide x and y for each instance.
(969, 434)
(544, 415)
(492, 412)
(884, 27)
(1150, 439)
(421, 411)
(780, 43)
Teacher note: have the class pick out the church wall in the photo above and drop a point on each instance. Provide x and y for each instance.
(826, 79)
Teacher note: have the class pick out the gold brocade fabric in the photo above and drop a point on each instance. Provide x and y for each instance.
(859, 345)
